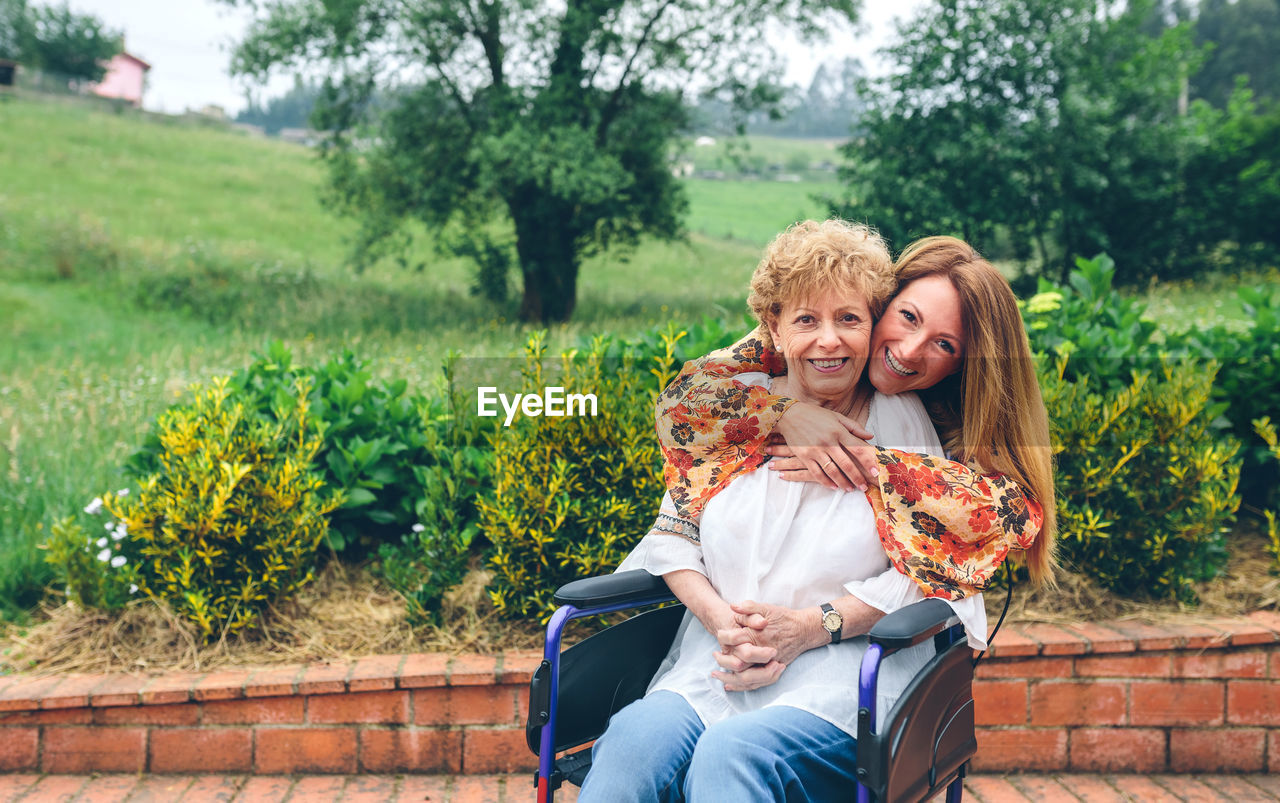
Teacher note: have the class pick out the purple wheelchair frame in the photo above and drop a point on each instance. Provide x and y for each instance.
(551, 655)
(869, 671)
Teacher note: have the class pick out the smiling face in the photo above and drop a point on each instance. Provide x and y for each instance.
(825, 339)
(920, 339)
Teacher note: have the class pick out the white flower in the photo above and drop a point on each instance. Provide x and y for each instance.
(122, 492)
(133, 588)
(417, 528)
(104, 555)
(94, 507)
(118, 561)
(109, 526)
(101, 542)
(120, 531)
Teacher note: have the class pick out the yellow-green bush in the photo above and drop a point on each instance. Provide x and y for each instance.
(233, 516)
(571, 495)
(1146, 488)
(1266, 430)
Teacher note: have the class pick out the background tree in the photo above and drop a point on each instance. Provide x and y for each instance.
(15, 29)
(1233, 180)
(70, 44)
(1054, 122)
(1246, 40)
(829, 107)
(293, 109)
(517, 124)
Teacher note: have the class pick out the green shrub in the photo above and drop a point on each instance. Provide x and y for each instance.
(435, 555)
(1146, 491)
(1109, 340)
(374, 437)
(1248, 383)
(1267, 431)
(572, 495)
(83, 561)
(231, 518)
(438, 550)
(1106, 335)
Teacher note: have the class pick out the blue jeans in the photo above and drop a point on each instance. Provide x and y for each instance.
(656, 749)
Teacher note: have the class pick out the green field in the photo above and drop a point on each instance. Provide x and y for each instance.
(138, 257)
(752, 212)
(758, 152)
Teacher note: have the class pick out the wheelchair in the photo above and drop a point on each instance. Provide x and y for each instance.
(922, 748)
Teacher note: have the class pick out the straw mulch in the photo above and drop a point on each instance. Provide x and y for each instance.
(347, 613)
(1246, 585)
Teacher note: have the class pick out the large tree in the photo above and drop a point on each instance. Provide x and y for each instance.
(66, 43)
(1056, 121)
(551, 118)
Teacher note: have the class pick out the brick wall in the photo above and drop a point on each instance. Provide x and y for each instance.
(385, 714)
(1128, 697)
(1114, 696)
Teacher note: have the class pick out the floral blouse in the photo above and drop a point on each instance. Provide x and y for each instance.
(946, 525)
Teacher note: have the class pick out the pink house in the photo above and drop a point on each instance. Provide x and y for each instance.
(125, 79)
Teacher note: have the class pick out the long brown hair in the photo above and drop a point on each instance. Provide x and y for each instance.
(990, 412)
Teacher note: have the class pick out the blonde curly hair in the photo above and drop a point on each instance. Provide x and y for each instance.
(810, 258)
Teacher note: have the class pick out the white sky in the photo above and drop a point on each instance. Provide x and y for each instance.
(188, 45)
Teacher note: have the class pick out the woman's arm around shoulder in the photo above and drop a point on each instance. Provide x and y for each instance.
(711, 425)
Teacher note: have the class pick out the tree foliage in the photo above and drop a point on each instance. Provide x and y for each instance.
(518, 126)
(15, 25)
(1245, 35)
(1056, 121)
(67, 43)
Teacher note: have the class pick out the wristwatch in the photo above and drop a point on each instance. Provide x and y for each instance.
(832, 622)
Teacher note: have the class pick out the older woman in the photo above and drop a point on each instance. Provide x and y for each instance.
(733, 716)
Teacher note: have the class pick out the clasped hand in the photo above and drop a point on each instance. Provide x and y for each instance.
(758, 644)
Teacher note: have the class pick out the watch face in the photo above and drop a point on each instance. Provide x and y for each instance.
(832, 621)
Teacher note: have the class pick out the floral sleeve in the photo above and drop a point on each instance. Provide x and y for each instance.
(947, 525)
(712, 427)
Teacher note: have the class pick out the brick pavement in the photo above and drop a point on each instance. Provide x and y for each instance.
(516, 788)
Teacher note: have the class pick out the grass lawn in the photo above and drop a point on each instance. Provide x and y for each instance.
(752, 212)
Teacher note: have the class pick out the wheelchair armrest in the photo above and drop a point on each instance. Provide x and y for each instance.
(613, 589)
(913, 624)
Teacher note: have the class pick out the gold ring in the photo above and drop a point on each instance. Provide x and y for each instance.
(828, 463)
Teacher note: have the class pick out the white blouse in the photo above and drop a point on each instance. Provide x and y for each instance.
(798, 544)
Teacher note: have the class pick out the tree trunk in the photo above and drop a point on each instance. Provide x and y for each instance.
(545, 244)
